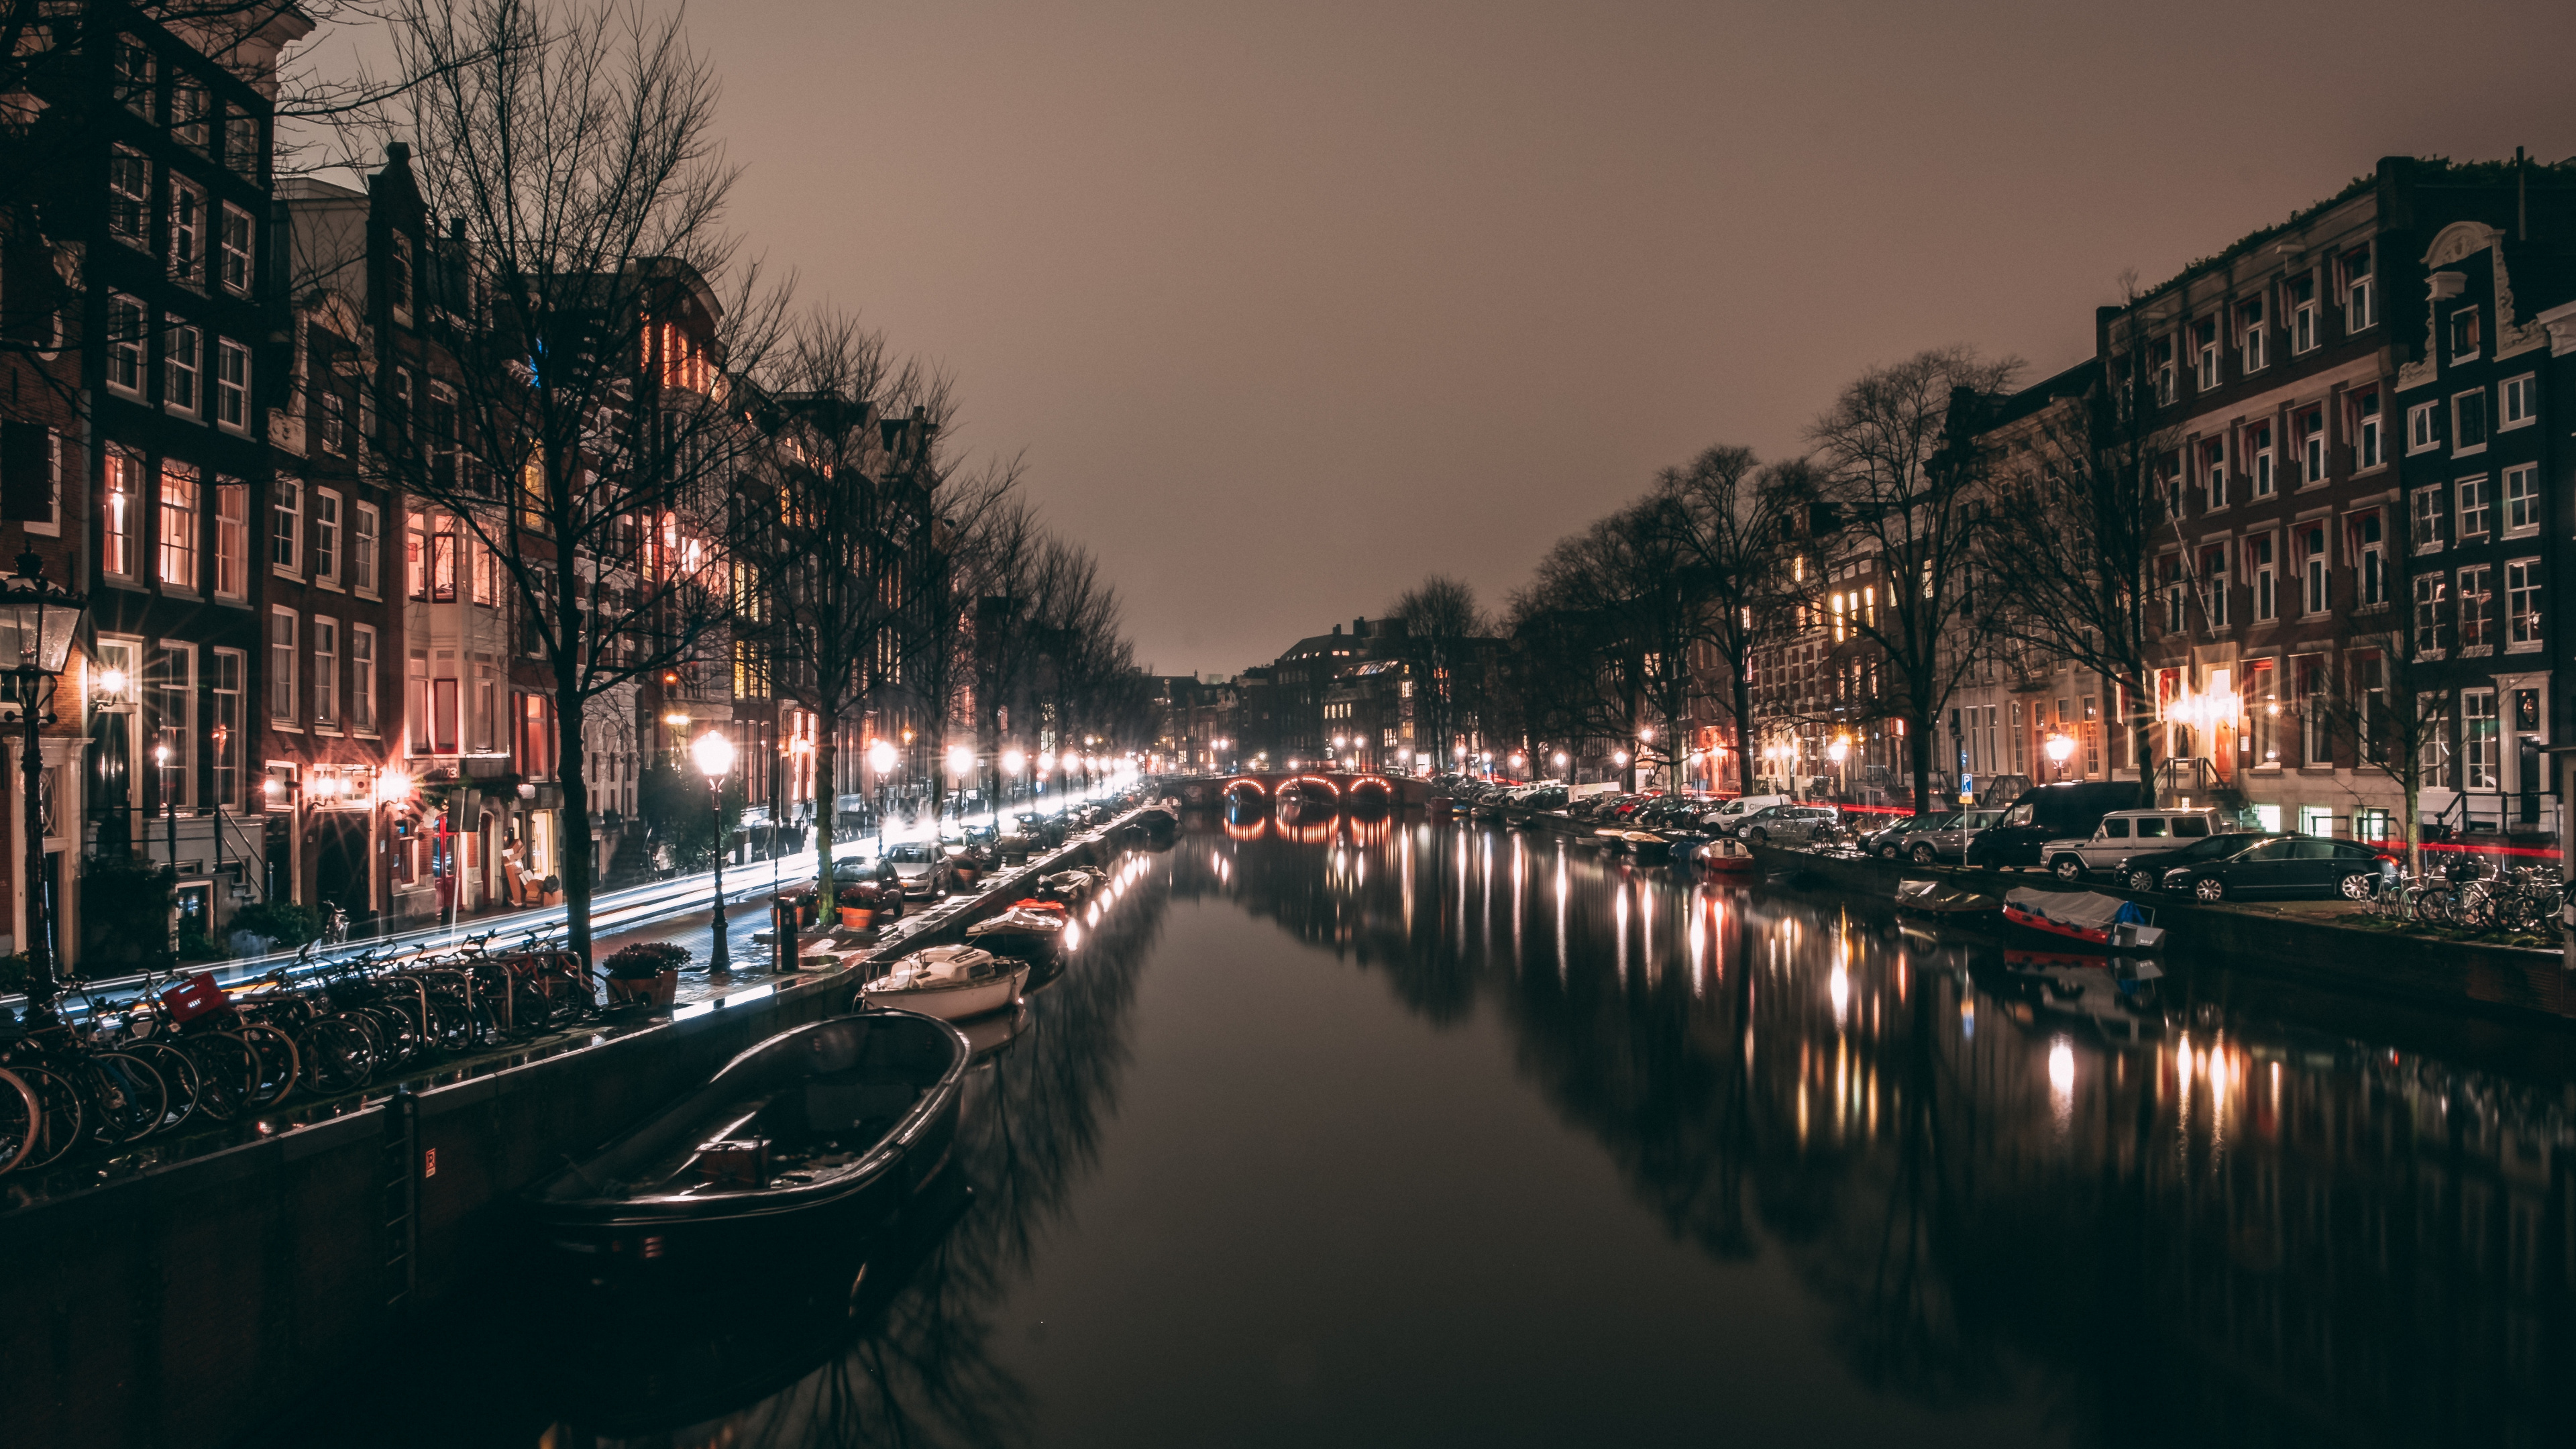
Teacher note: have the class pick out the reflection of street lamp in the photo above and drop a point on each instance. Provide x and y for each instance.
(714, 754)
(37, 621)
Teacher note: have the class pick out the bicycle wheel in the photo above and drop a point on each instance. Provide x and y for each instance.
(2433, 908)
(59, 1129)
(227, 1074)
(278, 1066)
(335, 1057)
(127, 1099)
(178, 1073)
(22, 1117)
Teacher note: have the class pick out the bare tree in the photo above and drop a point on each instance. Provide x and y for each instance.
(1442, 625)
(1897, 472)
(598, 452)
(2392, 703)
(1624, 587)
(2078, 519)
(1732, 522)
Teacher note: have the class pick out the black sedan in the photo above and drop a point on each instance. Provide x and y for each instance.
(2281, 867)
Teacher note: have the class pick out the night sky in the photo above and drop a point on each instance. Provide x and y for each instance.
(1289, 305)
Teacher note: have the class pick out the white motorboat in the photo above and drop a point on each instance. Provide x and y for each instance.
(1030, 922)
(948, 982)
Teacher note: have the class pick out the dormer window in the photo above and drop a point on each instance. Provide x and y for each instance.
(2464, 335)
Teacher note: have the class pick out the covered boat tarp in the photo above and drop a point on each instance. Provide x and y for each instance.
(2084, 910)
(2084, 915)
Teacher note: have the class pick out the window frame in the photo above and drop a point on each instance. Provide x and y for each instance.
(2316, 455)
(2431, 602)
(2360, 289)
(129, 345)
(366, 550)
(183, 368)
(119, 543)
(286, 527)
(2305, 335)
(322, 536)
(2481, 739)
(232, 541)
(2263, 575)
(2473, 608)
(284, 673)
(323, 635)
(236, 259)
(2473, 511)
(2461, 418)
(2527, 501)
(2525, 627)
(2474, 330)
(2426, 512)
(2369, 430)
(232, 386)
(129, 210)
(2521, 401)
(363, 717)
(2421, 434)
(2263, 472)
(177, 527)
(224, 724)
(2253, 343)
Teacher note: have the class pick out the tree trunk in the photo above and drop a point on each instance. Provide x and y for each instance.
(827, 809)
(2413, 796)
(573, 821)
(1918, 752)
(1743, 734)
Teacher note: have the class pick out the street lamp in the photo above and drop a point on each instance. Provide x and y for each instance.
(714, 754)
(37, 621)
(2059, 748)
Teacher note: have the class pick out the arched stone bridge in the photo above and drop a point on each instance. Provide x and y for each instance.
(1365, 789)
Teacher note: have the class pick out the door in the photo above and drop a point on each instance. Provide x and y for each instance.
(2318, 864)
(2268, 869)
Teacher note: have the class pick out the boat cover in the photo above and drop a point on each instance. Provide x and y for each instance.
(2084, 910)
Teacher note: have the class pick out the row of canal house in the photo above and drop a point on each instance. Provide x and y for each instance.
(300, 682)
(2361, 420)
(2363, 416)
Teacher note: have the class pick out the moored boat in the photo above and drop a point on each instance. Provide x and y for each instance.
(1725, 853)
(948, 982)
(2087, 916)
(826, 1129)
(1943, 901)
(1025, 924)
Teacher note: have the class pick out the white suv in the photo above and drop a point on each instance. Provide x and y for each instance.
(2124, 833)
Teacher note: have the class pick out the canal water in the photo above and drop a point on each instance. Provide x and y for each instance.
(1383, 1132)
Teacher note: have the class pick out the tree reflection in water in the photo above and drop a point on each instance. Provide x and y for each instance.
(2003, 1178)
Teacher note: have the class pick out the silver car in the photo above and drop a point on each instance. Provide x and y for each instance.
(1789, 825)
(1950, 843)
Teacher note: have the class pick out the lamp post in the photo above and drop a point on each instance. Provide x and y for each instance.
(37, 621)
(714, 754)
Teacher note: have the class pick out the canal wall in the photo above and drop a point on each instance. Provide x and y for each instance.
(2513, 981)
(189, 1304)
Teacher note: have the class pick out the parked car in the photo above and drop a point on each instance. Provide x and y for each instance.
(871, 883)
(2045, 813)
(2146, 871)
(2125, 834)
(1949, 841)
(1890, 842)
(1790, 825)
(1727, 818)
(2286, 867)
(921, 867)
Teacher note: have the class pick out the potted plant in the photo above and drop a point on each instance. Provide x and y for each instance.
(803, 900)
(648, 971)
(552, 886)
(858, 906)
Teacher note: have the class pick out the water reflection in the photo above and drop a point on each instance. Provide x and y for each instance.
(2296, 1237)
(2004, 1187)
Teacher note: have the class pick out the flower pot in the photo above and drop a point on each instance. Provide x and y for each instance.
(858, 918)
(656, 992)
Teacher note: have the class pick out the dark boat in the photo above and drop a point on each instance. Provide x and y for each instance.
(828, 1129)
(1940, 900)
(2087, 916)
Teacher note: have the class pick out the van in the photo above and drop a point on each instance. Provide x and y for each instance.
(2050, 812)
(1728, 818)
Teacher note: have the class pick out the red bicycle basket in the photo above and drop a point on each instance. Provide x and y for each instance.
(193, 997)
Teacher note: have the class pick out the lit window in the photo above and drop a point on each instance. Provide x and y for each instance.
(2477, 606)
(232, 540)
(124, 502)
(178, 527)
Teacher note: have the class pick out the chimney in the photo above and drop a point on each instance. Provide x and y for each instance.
(1360, 627)
(1337, 629)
